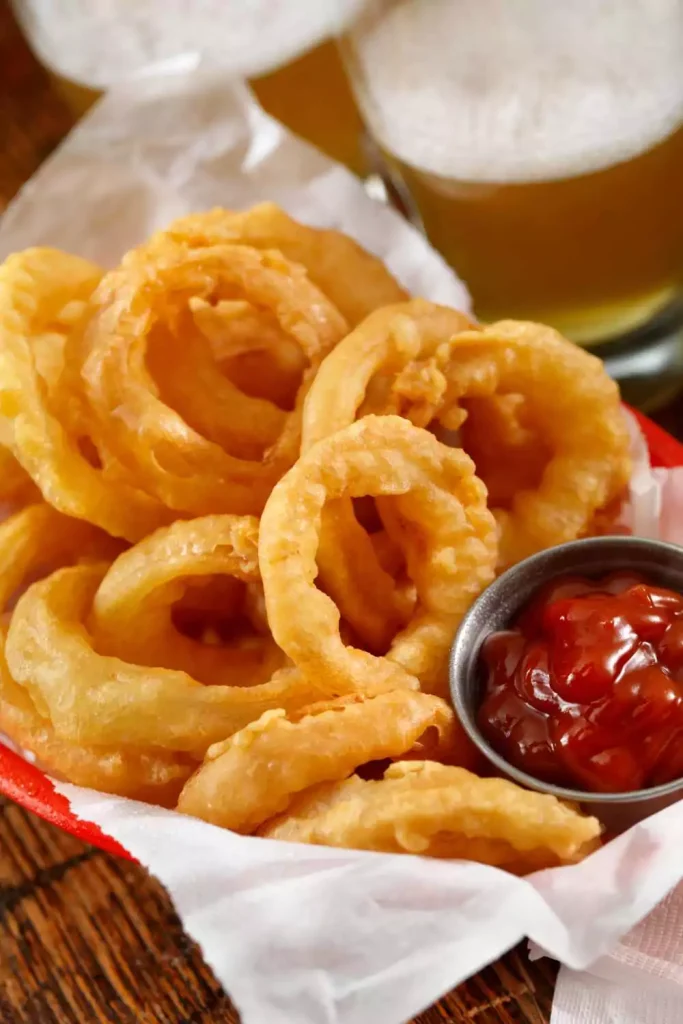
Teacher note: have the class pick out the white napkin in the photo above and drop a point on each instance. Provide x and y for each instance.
(297, 934)
(640, 982)
(313, 935)
(165, 145)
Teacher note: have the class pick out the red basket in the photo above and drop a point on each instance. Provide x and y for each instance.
(31, 788)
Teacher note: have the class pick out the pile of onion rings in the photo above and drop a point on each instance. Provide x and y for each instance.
(250, 488)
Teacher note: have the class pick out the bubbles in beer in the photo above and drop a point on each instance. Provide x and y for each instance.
(494, 91)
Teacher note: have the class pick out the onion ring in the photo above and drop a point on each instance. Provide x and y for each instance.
(440, 811)
(251, 349)
(15, 483)
(351, 572)
(354, 280)
(34, 286)
(388, 553)
(153, 776)
(383, 344)
(39, 538)
(163, 454)
(96, 699)
(576, 409)
(408, 360)
(253, 775)
(189, 380)
(131, 612)
(450, 557)
(508, 451)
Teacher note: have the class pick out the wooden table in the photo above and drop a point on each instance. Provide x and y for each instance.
(85, 937)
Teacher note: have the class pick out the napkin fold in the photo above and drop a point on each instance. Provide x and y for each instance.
(639, 982)
(316, 935)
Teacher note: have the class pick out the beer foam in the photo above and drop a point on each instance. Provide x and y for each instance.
(100, 42)
(494, 91)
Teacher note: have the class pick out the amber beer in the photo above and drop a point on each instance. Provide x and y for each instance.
(312, 96)
(542, 146)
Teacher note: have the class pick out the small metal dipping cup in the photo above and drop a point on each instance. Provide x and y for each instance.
(658, 563)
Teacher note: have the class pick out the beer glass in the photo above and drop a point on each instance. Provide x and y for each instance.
(541, 146)
(311, 96)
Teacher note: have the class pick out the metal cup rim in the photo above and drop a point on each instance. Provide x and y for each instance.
(540, 566)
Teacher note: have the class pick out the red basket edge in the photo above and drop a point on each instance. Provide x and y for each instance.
(29, 787)
(665, 450)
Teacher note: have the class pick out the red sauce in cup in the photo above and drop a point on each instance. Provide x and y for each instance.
(585, 690)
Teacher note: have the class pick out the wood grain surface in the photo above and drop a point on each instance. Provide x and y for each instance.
(87, 938)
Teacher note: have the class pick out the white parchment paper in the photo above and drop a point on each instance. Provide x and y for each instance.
(164, 145)
(309, 935)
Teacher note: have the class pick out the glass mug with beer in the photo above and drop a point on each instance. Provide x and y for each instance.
(540, 144)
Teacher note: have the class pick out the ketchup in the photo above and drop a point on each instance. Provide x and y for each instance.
(586, 689)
